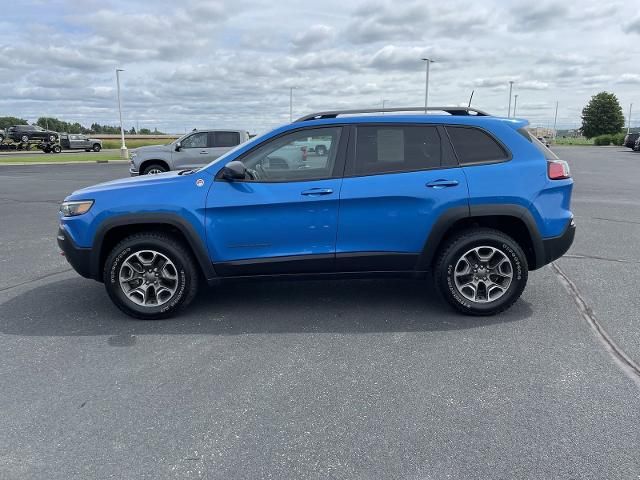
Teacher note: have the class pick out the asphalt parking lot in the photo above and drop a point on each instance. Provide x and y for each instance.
(343, 379)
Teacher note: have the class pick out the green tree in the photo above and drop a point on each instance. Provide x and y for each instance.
(6, 122)
(602, 115)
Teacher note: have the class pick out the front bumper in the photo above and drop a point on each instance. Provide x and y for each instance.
(555, 247)
(133, 172)
(79, 258)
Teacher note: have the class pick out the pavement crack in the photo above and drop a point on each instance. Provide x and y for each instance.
(616, 220)
(5, 199)
(596, 257)
(627, 365)
(41, 277)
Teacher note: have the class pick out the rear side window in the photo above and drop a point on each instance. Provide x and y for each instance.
(542, 148)
(226, 139)
(387, 149)
(473, 145)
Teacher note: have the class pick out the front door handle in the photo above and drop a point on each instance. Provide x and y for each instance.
(203, 152)
(317, 191)
(442, 183)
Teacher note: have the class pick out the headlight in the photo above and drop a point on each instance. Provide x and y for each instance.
(72, 209)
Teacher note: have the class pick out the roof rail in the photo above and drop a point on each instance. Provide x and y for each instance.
(449, 110)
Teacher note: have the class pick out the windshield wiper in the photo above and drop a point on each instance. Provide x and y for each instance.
(188, 171)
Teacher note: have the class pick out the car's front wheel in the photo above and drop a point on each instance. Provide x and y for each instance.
(481, 272)
(153, 169)
(150, 275)
(24, 138)
(96, 147)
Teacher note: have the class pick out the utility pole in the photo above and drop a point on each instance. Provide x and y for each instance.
(124, 153)
(426, 83)
(515, 104)
(510, 90)
(555, 121)
(629, 120)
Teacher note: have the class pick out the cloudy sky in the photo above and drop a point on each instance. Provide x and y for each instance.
(199, 63)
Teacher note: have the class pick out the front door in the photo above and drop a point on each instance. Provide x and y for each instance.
(398, 181)
(283, 217)
(193, 152)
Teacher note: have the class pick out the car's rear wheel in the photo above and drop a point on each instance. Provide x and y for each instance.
(150, 275)
(52, 138)
(96, 147)
(481, 272)
(24, 138)
(154, 169)
(56, 149)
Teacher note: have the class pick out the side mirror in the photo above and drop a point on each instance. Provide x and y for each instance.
(178, 146)
(234, 171)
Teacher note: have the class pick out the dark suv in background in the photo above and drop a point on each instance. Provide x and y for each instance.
(30, 133)
(630, 140)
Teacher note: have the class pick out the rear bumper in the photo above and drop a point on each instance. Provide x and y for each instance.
(555, 247)
(79, 258)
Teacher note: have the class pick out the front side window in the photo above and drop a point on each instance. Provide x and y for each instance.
(226, 139)
(197, 140)
(473, 145)
(389, 149)
(294, 156)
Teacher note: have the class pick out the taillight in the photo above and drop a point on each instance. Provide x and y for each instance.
(558, 169)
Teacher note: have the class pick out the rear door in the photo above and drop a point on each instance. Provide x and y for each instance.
(399, 179)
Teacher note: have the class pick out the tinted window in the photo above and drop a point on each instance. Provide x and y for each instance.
(290, 157)
(226, 139)
(385, 149)
(542, 148)
(473, 145)
(197, 140)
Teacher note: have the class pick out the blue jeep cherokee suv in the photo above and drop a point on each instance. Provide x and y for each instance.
(471, 198)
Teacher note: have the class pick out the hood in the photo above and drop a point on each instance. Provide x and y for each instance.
(153, 148)
(127, 183)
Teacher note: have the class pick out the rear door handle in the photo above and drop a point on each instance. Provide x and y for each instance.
(203, 152)
(317, 191)
(442, 183)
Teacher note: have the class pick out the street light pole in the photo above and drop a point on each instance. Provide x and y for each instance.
(629, 120)
(124, 154)
(426, 83)
(291, 104)
(510, 90)
(555, 121)
(515, 104)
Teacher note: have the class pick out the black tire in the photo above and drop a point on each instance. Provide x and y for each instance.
(453, 251)
(56, 149)
(321, 150)
(24, 138)
(175, 251)
(154, 168)
(96, 147)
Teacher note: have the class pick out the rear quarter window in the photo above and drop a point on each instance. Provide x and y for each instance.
(542, 148)
(474, 146)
